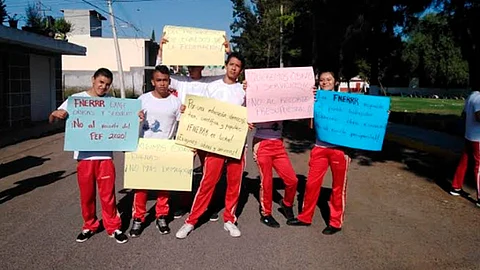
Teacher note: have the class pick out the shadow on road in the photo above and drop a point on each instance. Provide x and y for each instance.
(24, 186)
(20, 164)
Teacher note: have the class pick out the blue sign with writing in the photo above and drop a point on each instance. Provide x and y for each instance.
(351, 120)
(102, 124)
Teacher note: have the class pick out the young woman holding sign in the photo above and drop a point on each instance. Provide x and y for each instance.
(322, 156)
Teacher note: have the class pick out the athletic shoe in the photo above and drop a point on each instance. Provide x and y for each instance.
(478, 203)
(84, 236)
(269, 221)
(179, 213)
(329, 230)
(232, 229)
(214, 216)
(296, 222)
(456, 191)
(136, 229)
(184, 231)
(162, 225)
(119, 236)
(287, 211)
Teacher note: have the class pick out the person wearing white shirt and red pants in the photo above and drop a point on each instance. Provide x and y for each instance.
(269, 153)
(95, 168)
(226, 90)
(160, 112)
(471, 152)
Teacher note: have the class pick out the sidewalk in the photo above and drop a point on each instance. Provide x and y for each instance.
(437, 143)
(37, 130)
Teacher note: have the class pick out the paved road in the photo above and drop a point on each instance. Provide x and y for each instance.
(398, 217)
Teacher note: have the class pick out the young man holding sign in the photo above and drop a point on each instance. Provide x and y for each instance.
(160, 111)
(230, 91)
(325, 155)
(95, 167)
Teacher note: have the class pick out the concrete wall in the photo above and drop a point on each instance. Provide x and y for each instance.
(101, 53)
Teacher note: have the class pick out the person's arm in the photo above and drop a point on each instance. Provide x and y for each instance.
(226, 44)
(163, 40)
(60, 113)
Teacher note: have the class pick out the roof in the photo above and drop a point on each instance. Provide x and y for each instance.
(92, 12)
(35, 41)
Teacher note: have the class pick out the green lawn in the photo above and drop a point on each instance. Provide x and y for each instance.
(427, 105)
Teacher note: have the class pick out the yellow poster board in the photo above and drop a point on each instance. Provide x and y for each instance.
(189, 46)
(159, 165)
(213, 126)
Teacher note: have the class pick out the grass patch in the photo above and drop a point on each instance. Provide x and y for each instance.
(427, 105)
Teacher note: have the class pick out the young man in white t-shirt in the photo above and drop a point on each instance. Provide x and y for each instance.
(194, 84)
(230, 91)
(471, 152)
(95, 167)
(160, 111)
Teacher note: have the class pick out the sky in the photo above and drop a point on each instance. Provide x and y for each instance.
(145, 15)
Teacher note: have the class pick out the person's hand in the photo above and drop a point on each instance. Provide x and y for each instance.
(244, 84)
(251, 126)
(194, 150)
(60, 114)
(227, 45)
(182, 108)
(141, 115)
(162, 41)
(314, 91)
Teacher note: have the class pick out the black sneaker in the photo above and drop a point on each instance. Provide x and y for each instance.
(269, 221)
(329, 230)
(136, 229)
(478, 203)
(296, 222)
(162, 225)
(458, 192)
(179, 213)
(287, 211)
(214, 216)
(84, 236)
(119, 236)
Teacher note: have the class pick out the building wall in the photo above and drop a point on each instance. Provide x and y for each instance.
(80, 20)
(101, 53)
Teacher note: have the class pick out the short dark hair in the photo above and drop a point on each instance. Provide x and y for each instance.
(162, 69)
(238, 56)
(105, 72)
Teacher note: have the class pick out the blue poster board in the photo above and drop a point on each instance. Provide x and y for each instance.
(351, 120)
(102, 124)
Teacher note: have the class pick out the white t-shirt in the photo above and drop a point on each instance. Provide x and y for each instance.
(161, 115)
(472, 126)
(230, 93)
(87, 155)
(269, 130)
(188, 86)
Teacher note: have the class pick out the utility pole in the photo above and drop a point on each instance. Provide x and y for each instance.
(117, 49)
(281, 35)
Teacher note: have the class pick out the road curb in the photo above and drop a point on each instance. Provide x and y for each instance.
(421, 146)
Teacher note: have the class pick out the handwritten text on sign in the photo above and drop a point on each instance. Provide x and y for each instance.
(193, 46)
(102, 124)
(279, 94)
(159, 165)
(213, 126)
(351, 120)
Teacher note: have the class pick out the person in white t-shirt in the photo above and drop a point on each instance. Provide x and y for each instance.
(230, 91)
(181, 86)
(160, 110)
(95, 167)
(471, 152)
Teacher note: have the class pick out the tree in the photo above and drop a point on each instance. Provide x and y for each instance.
(3, 11)
(433, 55)
(62, 27)
(34, 18)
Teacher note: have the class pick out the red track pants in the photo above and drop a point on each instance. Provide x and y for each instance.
(140, 204)
(101, 172)
(270, 154)
(212, 172)
(470, 156)
(320, 159)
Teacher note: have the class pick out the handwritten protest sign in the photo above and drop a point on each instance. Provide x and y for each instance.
(159, 165)
(351, 120)
(279, 94)
(189, 46)
(102, 124)
(213, 126)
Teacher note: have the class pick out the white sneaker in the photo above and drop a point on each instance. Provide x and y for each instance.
(478, 203)
(184, 231)
(232, 229)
